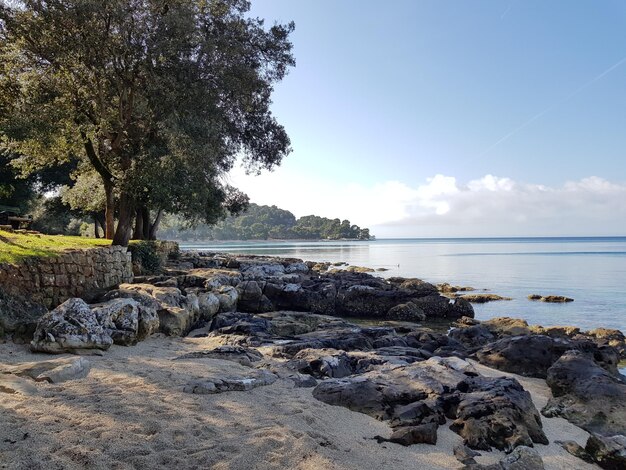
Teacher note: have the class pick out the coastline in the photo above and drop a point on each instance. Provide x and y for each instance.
(149, 405)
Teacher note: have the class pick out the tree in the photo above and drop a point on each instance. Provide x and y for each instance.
(158, 97)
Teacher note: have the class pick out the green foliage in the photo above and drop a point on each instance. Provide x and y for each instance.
(266, 222)
(145, 256)
(158, 98)
(16, 246)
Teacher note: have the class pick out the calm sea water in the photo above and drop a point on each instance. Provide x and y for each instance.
(590, 270)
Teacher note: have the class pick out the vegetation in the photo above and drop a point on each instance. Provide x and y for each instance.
(16, 246)
(148, 103)
(265, 222)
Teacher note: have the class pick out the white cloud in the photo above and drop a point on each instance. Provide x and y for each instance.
(442, 206)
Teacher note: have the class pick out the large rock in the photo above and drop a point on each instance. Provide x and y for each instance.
(70, 327)
(251, 298)
(227, 297)
(208, 303)
(120, 319)
(497, 412)
(586, 394)
(406, 312)
(53, 371)
(530, 356)
(608, 452)
(239, 354)
(148, 318)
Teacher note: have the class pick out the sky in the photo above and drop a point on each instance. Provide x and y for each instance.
(440, 118)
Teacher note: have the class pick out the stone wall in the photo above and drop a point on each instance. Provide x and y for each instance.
(74, 273)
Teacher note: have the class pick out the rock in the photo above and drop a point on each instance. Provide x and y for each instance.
(446, 288)
(422, 434)
(359, 269)
(148, 318)
(12, 384)
(231, 383)
(586, 394)
(70, 326)
(208, 304)
(472, 337)
(406, 312)
(239, 354)
(483, 298)
(522, 458)
(19, 316)
(505, 326)
(576, 450)
(608, 452)
(550, 298)
(496, 412)
(464, 454)
(437, 306)
(379, 392)
(609, 337)
(251, 298)
(120, 319)
(530, 356)
(227, 297)
(322, 363)
(54, 371)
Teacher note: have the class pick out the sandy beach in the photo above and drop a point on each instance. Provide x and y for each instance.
(131, 413)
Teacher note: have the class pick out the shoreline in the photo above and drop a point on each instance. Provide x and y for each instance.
(247, 387)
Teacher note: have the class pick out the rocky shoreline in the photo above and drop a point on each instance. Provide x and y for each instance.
(282, 321)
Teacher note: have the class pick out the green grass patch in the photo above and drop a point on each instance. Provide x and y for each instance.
(15, 247)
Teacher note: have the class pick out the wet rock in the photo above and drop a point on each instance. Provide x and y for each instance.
(238, 383)
(70, 326)
(239, 354)
(406, 312)
(53, 371)
(550, 298)
(483, 298)
(497, 412)
(586, 394)
(608, 452)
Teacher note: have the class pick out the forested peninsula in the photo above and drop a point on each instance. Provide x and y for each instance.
(262, 223)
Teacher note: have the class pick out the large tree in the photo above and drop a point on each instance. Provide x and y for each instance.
(158, 96)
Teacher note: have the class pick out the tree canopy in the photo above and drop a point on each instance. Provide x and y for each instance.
(267, 222)
(157, 98)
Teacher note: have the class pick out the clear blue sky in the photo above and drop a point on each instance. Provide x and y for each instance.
(404, 90)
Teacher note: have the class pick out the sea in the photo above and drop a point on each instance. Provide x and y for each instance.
(591, 270)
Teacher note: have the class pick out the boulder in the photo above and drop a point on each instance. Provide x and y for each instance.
(496, 412)
(406, 312)
(227, 297)
(120, 319)
(251, 298)
(522, 458)
(69, 327)
(483, 298)
(421, 434)
(472, 337)
(530, 355)
(608, 452)
(586, 394)
(322, 363)
(208, 303)
(148, 306)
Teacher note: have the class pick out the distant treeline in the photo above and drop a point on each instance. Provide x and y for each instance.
(262, 223)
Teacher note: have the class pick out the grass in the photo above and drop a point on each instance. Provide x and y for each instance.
(15, 247)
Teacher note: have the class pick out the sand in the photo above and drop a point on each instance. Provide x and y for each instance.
(131, 413)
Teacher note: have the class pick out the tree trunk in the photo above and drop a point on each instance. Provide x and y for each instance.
(155, 226)
(138, 230)
(96, 226)
(145, 214)
(109, 213)
(125, 222)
